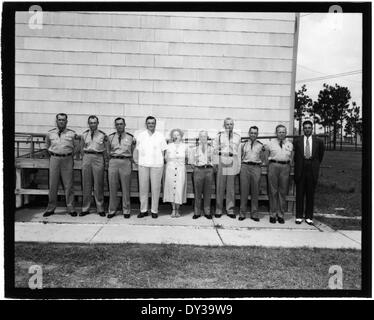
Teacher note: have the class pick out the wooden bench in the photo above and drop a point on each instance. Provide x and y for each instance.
(32, 179)
(33, 165)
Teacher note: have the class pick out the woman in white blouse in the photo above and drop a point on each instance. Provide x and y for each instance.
(175, 185)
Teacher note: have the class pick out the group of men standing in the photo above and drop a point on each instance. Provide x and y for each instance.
(221, 160)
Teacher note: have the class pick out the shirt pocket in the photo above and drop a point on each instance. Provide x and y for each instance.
(100, 141)
(53, 138)
(288, 148)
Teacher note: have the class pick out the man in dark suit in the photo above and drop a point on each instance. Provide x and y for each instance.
(308, 155)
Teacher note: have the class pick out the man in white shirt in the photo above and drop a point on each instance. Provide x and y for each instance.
(149, 156)
(227, 149)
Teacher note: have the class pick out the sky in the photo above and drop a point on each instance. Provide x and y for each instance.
(330, 44)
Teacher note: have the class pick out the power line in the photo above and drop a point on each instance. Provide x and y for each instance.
(343, 74)
(307, 68)
(315, 71)
(307, 14)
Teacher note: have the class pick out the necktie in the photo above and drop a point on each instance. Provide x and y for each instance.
(92, 135)
(307, 149)
(119, 139)
(203, 148)
(281, 143)
(252, 145)
(59, 133)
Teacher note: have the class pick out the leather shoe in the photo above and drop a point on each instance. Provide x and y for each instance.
(208, 216)
(73, 214)
(145, 214)
(154, 215)
(83, 213)
(141, 215)
(241, 218)
(195, 216)
(280, 220)
(232, 216)
(298, 221)
(255, 219)
(111, 215)
(126, 216)
(272, 220)
(48, 213)
(218, 215)
(309, 221)
(102, 214)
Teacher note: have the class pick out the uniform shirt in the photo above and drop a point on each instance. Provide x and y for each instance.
(123, 148)
(197, 157)
(97, 143)
(222, 144)
(277, 153)
(150, 149)
(60, 144)
(310, 144)
(252, 154)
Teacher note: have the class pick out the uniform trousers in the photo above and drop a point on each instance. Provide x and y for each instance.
(93, 174)
(119, 174)
(61, 167)
(225, 184)
(250, 176)
(146, 175)
(203, 180)
(278, 177)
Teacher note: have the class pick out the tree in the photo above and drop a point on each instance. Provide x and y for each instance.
(353, 125)
(331, 107)
(359, 128)
(302, 102)
(321, 115)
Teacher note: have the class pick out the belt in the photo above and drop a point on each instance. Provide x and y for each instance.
(281, 162)
(204, 167)
(308, 159)
(60, 155)
(252, 163)
(93, 152)
(119, 157)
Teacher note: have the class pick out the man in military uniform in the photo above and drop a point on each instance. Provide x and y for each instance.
(120, 150)
(250, 174)
(60, 144)
(93, 150)
(280, 156)
(227, 149)
(201, 161)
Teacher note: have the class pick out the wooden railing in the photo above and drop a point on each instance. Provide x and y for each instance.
(38, 169)
(32, 170)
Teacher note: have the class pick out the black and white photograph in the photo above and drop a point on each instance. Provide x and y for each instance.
(196, 146)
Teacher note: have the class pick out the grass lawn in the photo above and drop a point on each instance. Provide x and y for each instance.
(340, 185)
(177, 266)
(341, 224)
